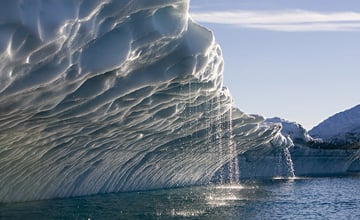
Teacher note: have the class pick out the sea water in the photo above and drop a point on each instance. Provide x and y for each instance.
(299, 198)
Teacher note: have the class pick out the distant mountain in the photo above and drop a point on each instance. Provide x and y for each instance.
(342, 128)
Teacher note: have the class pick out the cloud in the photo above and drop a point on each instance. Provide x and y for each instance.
(289, 20)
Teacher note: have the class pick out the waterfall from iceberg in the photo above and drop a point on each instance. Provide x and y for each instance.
(234, 163)
(111, 96)
(289, 162)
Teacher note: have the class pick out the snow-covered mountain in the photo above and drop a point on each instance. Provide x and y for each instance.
(341, 128)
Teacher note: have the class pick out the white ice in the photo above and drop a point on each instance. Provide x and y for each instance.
(107, 96)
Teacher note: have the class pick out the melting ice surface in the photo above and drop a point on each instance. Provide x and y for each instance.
(109, 96)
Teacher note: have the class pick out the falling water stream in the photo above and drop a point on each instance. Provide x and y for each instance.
(219, 133)
(225, 144)
(289, 162)
(234, 163)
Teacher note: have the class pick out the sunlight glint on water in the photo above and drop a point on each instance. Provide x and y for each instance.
(300, 198)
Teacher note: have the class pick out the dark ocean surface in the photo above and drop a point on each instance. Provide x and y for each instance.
(301, 198)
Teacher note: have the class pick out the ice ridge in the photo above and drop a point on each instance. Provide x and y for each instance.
(109, 96)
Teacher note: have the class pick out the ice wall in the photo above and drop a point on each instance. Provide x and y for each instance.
(108, 96)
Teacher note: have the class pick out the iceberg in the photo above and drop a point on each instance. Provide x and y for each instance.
(111, 96)
(331, 149)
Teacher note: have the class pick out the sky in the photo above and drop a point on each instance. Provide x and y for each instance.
(298, 60)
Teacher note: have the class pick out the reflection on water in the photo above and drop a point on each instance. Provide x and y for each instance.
(305, 198)
(189, 202)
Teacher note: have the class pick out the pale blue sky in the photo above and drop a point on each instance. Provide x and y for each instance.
(299, 60)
